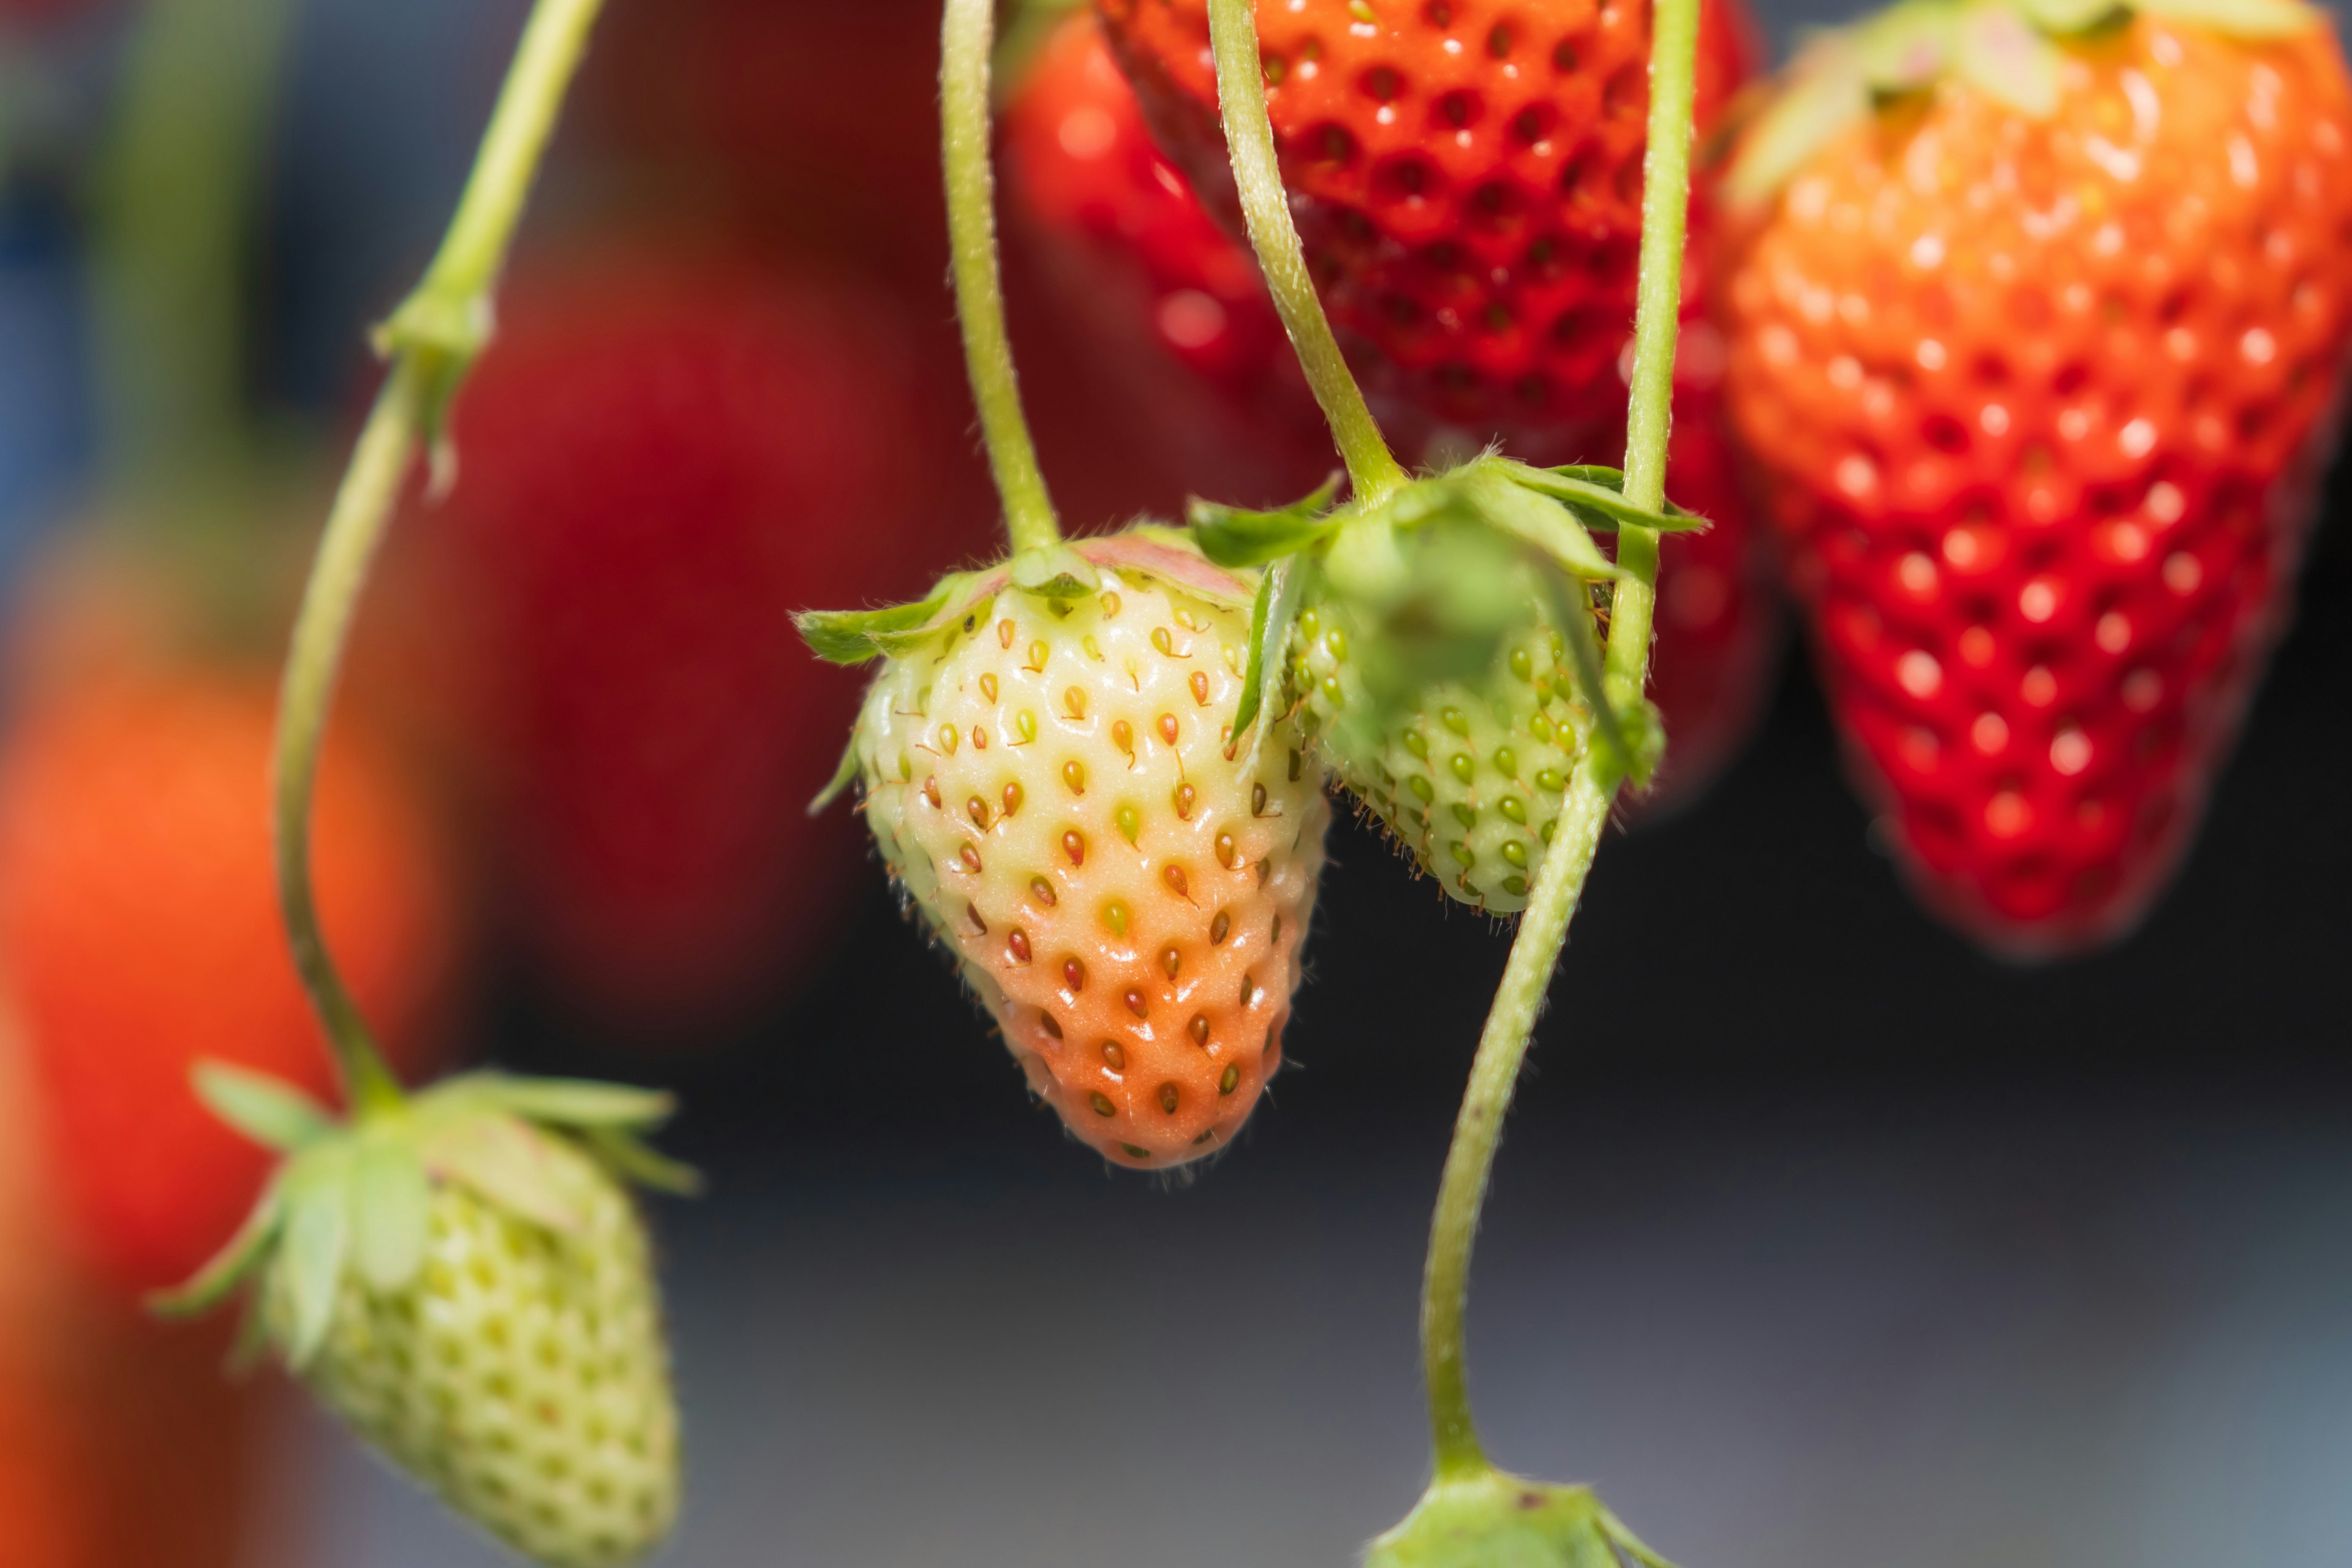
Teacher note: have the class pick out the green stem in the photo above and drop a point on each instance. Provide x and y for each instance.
(172, 202)
(432, 339)
(1510, 1025)
(1666, 205)
(966, 36)
(1372, 469)
(1543, 929)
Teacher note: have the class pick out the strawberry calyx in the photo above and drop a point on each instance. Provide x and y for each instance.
(2009, 50)
(1449, 565)
(353, 1197)
(1487, 1517)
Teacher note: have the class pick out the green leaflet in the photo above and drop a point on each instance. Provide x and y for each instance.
(318, 1237)
(1597, 495)
(855, 637)
(2240, 18)
(1231, 536)
(1271, 618)
(391, 1201)
(633, 1159)
(230, 1268)
(271, 1111)
(504, 1159)
(572, 1102)
(1497, 1520)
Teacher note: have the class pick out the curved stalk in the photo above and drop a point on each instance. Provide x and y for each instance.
(1372, 470)
(1543, 929)
(432, 339)
(967, 34)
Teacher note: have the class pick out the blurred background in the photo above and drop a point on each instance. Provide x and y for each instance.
(1819, 1239)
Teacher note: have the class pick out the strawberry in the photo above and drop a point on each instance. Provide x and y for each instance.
(662, 454)
(2037, 359)
(1440, 651)
(139, 933)
(1121, 221)
(466, 1281)
(1051, 767)
(1466, 176)
(1169, 299)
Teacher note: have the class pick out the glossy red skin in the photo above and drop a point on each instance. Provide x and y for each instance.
(663, 457)
(139, 935)
(2042, 468)
(1115, 214)
(1469, 194)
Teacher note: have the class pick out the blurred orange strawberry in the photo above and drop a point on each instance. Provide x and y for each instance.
(139, 934)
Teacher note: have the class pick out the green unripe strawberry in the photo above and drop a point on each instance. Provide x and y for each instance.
(1440, 650)
(1052, 770)
(466, 1281)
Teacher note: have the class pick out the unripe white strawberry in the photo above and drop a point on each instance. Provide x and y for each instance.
(1052, 776)
(466, 1281)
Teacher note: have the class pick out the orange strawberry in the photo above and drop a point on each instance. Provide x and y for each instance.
(139, 934)
(2036, 358)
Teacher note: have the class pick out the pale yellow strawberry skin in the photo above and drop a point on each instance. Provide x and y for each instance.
(523, 1376)
(1055, 792)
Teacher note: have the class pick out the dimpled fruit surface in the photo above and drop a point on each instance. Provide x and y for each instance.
(522, 1377)
(2038, 405)
(1057, 788)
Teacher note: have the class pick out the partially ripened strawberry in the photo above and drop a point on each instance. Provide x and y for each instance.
(1466, 176)
(663, 455)
(1053, 774)
(2036, 337)
(466, 1281)
(140, 933)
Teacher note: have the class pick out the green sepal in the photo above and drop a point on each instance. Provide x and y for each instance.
(502, 1158)
(845, 774)
(268, 1111)
(856, 636)
(1823, 91)
(1234, 536)
(1574, 621)
(230, 1268)
(1997, 51)
(1273, 614)
(635, 1161)
(570, 1102)
(390, 1206)
(311, 1261)
(1532, 517)
(1490, 1519)
(1057, 572)
(2240, 18)
(1597, 495)
(2071, 18)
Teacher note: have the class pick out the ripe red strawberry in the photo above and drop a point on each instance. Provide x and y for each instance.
(661, 457)
(1466, 176)
(1171, 300)
(1177, 301)
(1052, 777)
(2037, 361)
(139, 934)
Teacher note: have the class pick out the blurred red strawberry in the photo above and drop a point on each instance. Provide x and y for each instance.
(1179, 305)
(140, 935)
(662, 456)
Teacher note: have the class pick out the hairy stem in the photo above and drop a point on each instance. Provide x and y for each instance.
(966, 36)
(1648, 418)
(432, 339)
(1510, 1025)
(1372, 469)
(1543, 929)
